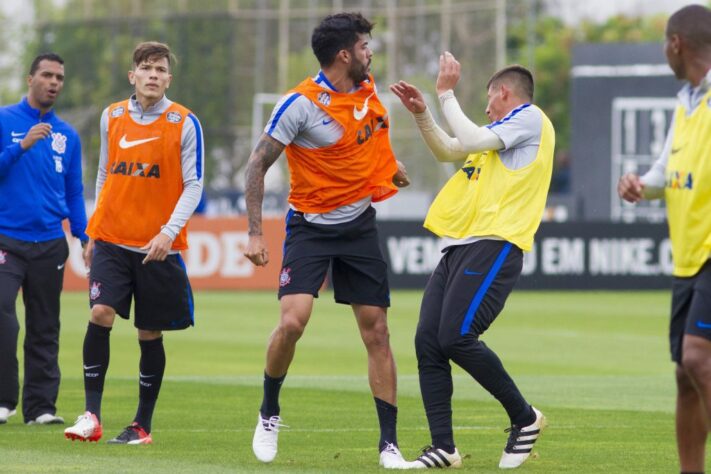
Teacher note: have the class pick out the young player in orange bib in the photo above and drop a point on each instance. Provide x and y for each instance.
(148, 185)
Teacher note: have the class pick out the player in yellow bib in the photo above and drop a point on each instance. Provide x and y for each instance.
(682, 176)
(487, 215)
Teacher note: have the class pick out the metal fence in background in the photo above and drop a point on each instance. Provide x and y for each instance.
(228, 51)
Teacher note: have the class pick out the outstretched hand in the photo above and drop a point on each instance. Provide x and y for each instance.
(449, 73)
(410, 96)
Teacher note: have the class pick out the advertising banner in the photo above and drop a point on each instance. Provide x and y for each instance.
(583, 256)
(215, 259)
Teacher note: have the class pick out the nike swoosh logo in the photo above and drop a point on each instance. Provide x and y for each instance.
(59, 267)
(87, 367)
(326, 122)
(702, 325)
(130, 144)
(676, 150)
(145, 376)
(17, 134)
(359, 114)
(469, 272)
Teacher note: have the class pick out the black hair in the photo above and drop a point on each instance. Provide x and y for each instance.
(692, 23)
(54, 57)
(337, 32)
(517, 77)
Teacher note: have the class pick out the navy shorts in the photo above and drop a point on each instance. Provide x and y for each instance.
(691, 309)
(161, 290)
(359, 274)
(469, 288)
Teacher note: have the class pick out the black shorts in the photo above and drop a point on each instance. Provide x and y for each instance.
(468, 289)
(359, 274)
(164, 299)
(691, 309)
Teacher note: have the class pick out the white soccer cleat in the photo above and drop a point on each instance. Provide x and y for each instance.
(432, 457)
(47, 419)
(264, 443)
(6, 413)
(391, 458)
(86, 428)
(521, 440)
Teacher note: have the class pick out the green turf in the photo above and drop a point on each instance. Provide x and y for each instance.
(595, 363)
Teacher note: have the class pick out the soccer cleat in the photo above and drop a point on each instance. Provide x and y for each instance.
(391, 458)
(264, 443)
(432, 457)
(521, 440)
(132, 434)
(6, 413)
(86, 428)
(47, 419)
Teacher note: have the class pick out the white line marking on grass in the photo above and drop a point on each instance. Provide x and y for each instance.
(250, 430)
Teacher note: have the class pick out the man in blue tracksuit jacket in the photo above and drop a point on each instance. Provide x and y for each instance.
(40, 185)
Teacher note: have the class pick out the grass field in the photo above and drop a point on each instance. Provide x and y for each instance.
(595, 363)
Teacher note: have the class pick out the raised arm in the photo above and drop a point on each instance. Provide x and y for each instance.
(262, 158)
(443, 147)
(473, 138)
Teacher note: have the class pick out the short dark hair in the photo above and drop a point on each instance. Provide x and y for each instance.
(693, 23)
(517, 77)
(337, 32)
(54, 57)
(151, 51)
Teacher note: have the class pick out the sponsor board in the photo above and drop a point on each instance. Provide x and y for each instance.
(565, 256)
(583, 256)
(215, 259)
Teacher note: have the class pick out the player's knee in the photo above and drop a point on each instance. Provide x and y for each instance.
(7, 307)
(423, 339)
(291, 327)
(453, 343)
(696, 364)
(102, 315)
(377, 335)
(683, 381)
(8, 322)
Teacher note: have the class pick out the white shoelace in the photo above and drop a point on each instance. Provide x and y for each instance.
(391, 448)
(273, 424)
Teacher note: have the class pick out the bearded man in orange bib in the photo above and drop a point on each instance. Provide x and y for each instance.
(148, 185)
(336, 135)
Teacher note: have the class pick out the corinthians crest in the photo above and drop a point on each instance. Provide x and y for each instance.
(59, 142)
(95, 290)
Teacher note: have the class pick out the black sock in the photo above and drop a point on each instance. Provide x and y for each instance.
(96, 363)
(270, 401)
(152, 367)
(444, 442)
(524, 418)
(387, 416)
